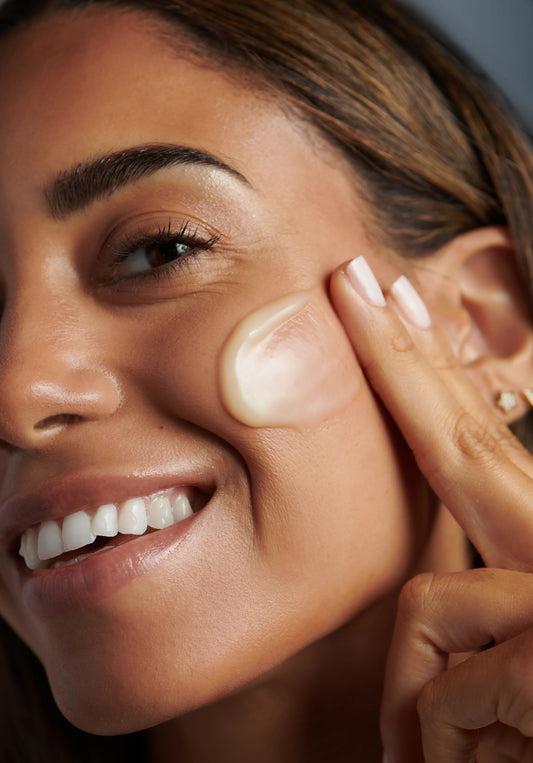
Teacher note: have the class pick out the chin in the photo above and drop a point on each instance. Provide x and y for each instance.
(109, 705)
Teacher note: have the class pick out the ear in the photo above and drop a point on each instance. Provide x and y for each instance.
(475, 292)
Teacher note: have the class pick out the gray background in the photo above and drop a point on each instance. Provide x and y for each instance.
(498, 35)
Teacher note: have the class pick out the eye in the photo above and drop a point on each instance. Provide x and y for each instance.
(149, 256)
(157, 253)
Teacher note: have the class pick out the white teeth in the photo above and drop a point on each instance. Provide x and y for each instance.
(105, 521)
(49, 542)
(181, 508)
(28, 549)
(132, 517)
(76, 531)
(159, 513)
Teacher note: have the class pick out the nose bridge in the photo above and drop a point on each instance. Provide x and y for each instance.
(50, 372)
(36, 311)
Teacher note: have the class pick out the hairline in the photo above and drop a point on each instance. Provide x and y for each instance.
(206, 53)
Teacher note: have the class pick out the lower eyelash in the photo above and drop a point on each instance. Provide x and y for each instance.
(164, 272)
(142, 239)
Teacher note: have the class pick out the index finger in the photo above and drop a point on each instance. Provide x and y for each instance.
(467, 466)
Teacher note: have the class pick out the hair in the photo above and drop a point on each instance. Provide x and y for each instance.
(435, 148)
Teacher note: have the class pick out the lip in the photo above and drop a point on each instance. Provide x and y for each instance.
(60, 497)
(84, 584)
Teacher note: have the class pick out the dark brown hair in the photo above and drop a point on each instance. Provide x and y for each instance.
(436, 152)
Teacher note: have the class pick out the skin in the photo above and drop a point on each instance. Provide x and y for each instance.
(479, 706)
(299, 554)
(284, 532)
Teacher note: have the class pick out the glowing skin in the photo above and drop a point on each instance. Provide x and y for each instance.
(119, 397)
(287, 365)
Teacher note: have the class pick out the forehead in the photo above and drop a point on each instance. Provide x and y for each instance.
(79, 84)
(111, 70)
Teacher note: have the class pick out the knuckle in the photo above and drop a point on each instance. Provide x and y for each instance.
(401, 341)
(472, 441)
(398, 342)
(416, 595)
(445, 360)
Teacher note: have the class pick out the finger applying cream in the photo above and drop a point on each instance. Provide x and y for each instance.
(289, 364)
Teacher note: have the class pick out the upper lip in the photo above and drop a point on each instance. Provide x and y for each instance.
(59, 497)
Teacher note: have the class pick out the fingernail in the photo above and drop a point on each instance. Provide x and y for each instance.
(410, 303)
(364, 282)
(385, 758)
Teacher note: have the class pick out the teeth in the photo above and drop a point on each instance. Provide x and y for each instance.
(133, 517)
(159, 513)
(28, 549)
(105, 521)
(49, 542)
(181, 508)
(76, 531)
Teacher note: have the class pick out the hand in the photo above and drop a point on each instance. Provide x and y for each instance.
(481, 473)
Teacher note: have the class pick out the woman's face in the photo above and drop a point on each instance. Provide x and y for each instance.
(113, 360)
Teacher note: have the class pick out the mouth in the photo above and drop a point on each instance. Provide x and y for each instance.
(82, 534)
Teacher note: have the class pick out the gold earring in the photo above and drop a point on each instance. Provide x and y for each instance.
(528, 394)
(507, 401)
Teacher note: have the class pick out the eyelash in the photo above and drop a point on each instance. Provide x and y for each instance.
(142, 239)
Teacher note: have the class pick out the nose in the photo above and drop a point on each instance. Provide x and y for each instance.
(52, 376)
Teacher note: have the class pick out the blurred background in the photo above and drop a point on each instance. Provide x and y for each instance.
(497, 35)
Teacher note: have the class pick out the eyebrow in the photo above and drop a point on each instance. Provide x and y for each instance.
(77, 188)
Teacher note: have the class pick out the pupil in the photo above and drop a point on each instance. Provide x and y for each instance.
(170, 251)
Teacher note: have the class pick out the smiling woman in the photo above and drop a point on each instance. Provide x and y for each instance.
(226, 456)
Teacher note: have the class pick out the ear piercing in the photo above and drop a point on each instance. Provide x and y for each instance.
(507, 400)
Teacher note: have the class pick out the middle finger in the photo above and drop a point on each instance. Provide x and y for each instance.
(467, 466)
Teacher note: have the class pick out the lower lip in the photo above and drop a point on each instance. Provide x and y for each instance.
(84, 584)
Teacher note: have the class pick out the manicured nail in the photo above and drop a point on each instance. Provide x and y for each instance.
(364, 282)
(410, 304)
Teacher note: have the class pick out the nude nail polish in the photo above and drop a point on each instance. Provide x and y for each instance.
(410, 303)
(365, 282)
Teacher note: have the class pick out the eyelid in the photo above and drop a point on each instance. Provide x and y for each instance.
(150, 224)
(143, 237)
(141, 233)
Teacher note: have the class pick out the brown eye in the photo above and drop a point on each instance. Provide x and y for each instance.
(150, 256)
(159, 253)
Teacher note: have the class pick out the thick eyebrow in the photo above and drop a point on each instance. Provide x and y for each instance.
(77, 188)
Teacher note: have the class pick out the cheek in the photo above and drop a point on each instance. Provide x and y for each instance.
(329, 484)
(311, 527)
(288, 364)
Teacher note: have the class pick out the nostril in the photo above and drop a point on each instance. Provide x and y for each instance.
(59, 420)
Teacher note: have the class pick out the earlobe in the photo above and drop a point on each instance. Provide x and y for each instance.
(491, 327)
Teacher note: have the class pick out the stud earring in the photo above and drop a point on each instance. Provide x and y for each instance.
(507, 401)
(528, 394)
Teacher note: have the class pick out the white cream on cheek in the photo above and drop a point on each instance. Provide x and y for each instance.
(289, 364)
